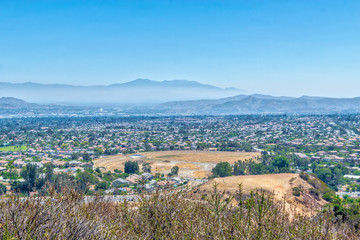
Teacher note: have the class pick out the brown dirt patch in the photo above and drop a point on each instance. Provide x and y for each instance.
(277, 184)
(192, 164)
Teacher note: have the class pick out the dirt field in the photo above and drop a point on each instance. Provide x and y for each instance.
(281, 185)
(192, 164)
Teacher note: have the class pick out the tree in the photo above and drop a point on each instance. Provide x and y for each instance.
(282, 163)
(2, 189)
(64, 180)
(101, 186)
(85, 178)
(30, 173)
(239, 168)
(257, 169)
(146, 167)
(86, 156)
(324, 174)
(11, 174)
(75, 156)
(131, 167)
(49, 171)
(174, 170)
(222, 169)
(98, 151)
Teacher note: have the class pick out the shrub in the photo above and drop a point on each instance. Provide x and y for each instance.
(174, 170)
(328, 196)
(318, 184)
(296, 191)
(304, 176)
(292, 179)
(314, 192)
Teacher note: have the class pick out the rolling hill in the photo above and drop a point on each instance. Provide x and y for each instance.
(262, 104)
(14, 103)
(280, 185)
(137, 91)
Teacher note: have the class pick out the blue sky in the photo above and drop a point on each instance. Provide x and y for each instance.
(274, 47)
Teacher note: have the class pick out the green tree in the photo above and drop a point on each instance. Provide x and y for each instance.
(2, 189)
(11, 174)
(222, 169)
(324, 174)
(86, 157)
(146, 167)
(131, 167)
(282, 163)
(75, 156)
(239, 168)
(98, 151)
(101, 186)
(49, 171)
(174, 170)
(30, 173)
(257, 169)
(86, 178)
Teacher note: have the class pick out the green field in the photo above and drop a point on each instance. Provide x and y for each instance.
(13, 148)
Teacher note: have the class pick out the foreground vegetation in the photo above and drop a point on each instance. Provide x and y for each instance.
(164, 216)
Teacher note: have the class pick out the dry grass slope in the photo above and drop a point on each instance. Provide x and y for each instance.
(280, 185)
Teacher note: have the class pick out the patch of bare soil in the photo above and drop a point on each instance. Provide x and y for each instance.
(192, 164)
(280, 186)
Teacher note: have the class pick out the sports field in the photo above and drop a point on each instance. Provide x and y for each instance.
(13, 148)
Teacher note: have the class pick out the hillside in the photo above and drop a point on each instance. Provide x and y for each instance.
(137, 91)
(281, 185)
(10, 106)
(259, 104)
(14, 103)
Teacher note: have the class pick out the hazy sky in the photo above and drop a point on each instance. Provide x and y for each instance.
(276, 47)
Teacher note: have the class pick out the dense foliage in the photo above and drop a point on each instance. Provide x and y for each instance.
(2, 189)
(280, 164)
(131, 167)
(222, 169)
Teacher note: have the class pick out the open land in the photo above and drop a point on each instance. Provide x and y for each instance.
(279, 185)
(192, 164)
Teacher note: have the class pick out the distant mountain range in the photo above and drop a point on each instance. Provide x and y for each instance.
(153, 96)
(137, 91)
(261, 104)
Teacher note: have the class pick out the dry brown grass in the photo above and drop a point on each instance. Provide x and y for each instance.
(201, 156)
(193, 164)
(280, 185)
